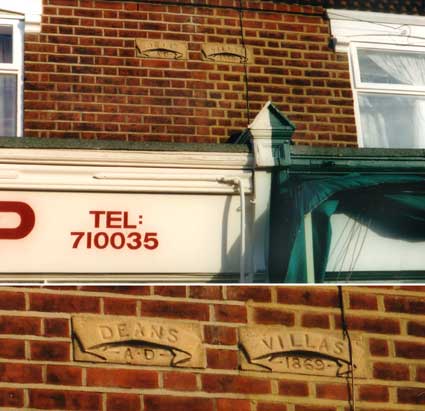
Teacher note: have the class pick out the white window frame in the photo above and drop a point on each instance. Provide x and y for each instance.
(385, 31)
(16, 67)
(383, 88)
(358, 86)
(25, 17)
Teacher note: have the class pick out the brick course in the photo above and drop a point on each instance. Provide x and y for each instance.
(37, 370)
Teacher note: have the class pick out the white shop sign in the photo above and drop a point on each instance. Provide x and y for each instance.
(92, 232)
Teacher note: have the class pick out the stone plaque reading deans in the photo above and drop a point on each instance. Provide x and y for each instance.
(130, 340)
(162, 49)
(279, 349)
(226, 53)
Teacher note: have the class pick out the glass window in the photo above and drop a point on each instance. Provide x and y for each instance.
(391, 67)
(355, 226)
(392, 120)
(6, 44)
(360, 246)
(389, 88)
(8, 104)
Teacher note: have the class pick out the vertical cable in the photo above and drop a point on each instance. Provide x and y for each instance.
(346, 334)
(245, 62)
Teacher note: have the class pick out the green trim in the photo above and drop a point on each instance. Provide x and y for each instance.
(334, 160)
(303, 158)
(355, 152)
(57, 143)
(375, 276)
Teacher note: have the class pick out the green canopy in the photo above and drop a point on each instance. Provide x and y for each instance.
(393, 205)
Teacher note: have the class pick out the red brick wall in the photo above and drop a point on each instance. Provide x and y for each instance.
(37, 370)
(84, 79)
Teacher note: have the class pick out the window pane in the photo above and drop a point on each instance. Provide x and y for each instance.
(391, 120)
(8, 87)
(356, 247)
(392, 67)
(6, 44)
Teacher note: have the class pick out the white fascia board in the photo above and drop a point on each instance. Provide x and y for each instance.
(113, 158)
(385, 28)
(115, 171)
(28, 10)
(374, 17)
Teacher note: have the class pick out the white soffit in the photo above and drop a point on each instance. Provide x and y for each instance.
(360, 26)
(29, 10)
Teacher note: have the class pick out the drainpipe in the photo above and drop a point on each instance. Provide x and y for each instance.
(237, 181)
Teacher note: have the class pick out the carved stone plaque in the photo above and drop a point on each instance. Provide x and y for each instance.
(130, 340)
(280, 349)
(161, 49)
(226, 53)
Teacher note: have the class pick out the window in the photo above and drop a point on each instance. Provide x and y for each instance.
(377, 233)
(11, 77)
(357, 226)
(16, 17)
(387, 64)
(389, 92)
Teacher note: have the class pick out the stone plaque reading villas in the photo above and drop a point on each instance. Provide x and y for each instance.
(299, 351)
(226, 53)
(130, 340)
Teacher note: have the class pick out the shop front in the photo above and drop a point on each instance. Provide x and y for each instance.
(258, 210)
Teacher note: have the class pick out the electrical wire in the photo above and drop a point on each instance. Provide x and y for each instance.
(355, 259)
(344, 248)
(349, 245)
(390, 26)
(346, 335)
(343, 255)
(356, 249)
(245, 61)
(337, 241)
